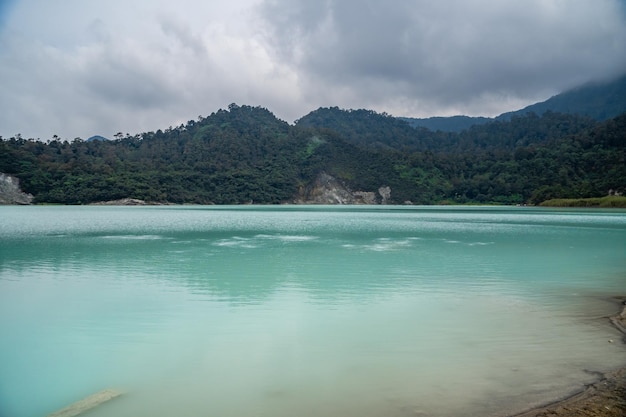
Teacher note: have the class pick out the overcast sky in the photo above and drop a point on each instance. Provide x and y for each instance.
(77, 68)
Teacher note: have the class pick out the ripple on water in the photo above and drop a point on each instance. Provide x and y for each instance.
(134, 237)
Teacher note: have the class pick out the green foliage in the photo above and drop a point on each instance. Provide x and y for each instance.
(447, 124)
(313, 143)
(245, 154)
(602, 202)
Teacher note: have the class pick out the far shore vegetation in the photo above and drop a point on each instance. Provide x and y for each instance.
(245, 154)
(600, 202)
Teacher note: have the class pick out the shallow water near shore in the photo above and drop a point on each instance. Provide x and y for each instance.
(308, 311)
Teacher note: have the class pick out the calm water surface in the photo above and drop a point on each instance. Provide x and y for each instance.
(307, 311)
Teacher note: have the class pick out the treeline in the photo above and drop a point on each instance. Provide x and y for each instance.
(527, 159)
(245, 154)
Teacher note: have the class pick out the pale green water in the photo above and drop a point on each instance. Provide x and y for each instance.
(305, 311)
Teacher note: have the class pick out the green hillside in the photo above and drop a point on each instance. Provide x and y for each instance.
(245, 154)
(447, 124)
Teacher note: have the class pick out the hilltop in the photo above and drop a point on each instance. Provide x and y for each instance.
(598, 100)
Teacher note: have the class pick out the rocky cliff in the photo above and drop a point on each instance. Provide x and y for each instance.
(327, 189)
(10, 192)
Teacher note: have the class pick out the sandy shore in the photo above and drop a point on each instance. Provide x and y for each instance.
(604, 398)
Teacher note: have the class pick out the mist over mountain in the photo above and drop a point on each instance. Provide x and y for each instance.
(598, 100)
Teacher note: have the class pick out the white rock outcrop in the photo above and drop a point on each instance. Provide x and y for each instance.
(327, 189)
(10, 192)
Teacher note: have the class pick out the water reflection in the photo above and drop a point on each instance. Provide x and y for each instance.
(249, 265)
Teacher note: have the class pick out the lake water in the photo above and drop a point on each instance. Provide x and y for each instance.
(305, 311)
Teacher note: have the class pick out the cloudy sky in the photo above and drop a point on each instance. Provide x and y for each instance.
(77, 68)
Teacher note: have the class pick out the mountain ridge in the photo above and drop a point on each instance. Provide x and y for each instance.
(600, 100)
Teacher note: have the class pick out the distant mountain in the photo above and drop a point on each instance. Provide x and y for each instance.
(447, 124)
(600, 101)
(95, 138)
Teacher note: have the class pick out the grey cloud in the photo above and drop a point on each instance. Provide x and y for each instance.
(126, 81)
(91, 89)
(128, 90)
(448, 53)
(109, 79)
(78, 68)
(182, 35)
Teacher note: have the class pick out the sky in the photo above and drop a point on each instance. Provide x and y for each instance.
(77, 68)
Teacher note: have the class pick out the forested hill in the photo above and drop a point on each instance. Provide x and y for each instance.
(370, 129)
(447, 124)
(245, 154)
(365, 127)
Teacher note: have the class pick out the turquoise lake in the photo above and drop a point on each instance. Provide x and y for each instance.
(306, 311)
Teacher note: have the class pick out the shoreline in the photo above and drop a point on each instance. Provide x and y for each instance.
(603, 398)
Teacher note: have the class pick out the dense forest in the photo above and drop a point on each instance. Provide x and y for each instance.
(245, 154)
